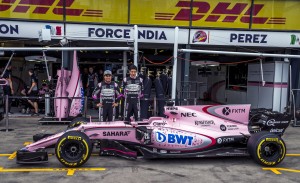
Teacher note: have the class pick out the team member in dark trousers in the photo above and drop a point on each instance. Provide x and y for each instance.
(92, 81)
(8, 89)
(133, 90)
(91, 84)
(147, 82)
(33, 92)
(159, 95)
(109, 93)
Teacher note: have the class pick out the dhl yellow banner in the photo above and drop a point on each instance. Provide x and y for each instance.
(97, 11)
(266, 14)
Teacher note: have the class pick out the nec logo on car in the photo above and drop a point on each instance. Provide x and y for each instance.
(188, 114)
(226, 111)
(173, 138)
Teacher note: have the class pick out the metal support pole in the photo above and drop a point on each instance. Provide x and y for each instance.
(154, 106)
(85, 106)
(47, 104)
(6, 112)
(240, 53)
(195, 101)
(124, 64)
(46, 64)
(174, 74)
(6, 116)
(135, 58)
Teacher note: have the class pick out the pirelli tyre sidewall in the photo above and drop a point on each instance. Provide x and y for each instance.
(73, 149)
(77, 122)
(266, 148)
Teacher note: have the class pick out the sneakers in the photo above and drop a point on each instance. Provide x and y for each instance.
(28, 110)
(23, 111)
(35, 114)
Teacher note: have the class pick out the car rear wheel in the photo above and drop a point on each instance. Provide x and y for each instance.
(266, 148)
(73, 149)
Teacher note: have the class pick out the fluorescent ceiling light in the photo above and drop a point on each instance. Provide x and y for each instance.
(205, 63)
(40, 59)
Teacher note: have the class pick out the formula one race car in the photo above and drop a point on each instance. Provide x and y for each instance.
(187, 131)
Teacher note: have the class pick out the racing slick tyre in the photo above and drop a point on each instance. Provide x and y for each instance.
(73, 149)
(266, 148)
(77, 122)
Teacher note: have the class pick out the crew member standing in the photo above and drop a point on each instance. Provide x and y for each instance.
(109, 93)
(8, 89)
(133, 90)
(91, 84)
(33, 92)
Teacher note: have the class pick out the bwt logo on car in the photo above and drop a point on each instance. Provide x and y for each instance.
(188, 114)
(173, 138)
(226, 111)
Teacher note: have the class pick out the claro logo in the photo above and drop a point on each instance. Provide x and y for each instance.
(43, 7)
(210, 13)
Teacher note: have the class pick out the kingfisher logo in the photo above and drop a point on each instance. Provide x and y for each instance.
(204, 11)
(44, 6)
(200, 36)
(173, 138)
(295, 40)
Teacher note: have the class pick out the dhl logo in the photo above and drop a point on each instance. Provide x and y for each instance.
(43, 6)
(222, 8)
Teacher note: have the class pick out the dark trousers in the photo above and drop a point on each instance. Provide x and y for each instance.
(132, 108)
(107, 112)
(7, 91)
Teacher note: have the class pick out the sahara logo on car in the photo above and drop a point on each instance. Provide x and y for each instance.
(226, 111)
(116, 133)
(205, 122)
(173, 138)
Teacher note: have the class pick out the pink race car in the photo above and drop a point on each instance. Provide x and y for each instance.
(187, 131)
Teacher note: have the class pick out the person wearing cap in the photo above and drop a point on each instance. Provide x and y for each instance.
(132, 90)
(109, 94)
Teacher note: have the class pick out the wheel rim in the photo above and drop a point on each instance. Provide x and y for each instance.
(73, 150)
(270, 151)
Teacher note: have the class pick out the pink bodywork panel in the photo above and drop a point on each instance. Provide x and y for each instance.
(68, 85)
(186, 128)
(75, 89)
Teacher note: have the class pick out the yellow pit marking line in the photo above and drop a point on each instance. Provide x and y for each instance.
(70, 171)
(277, 170)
